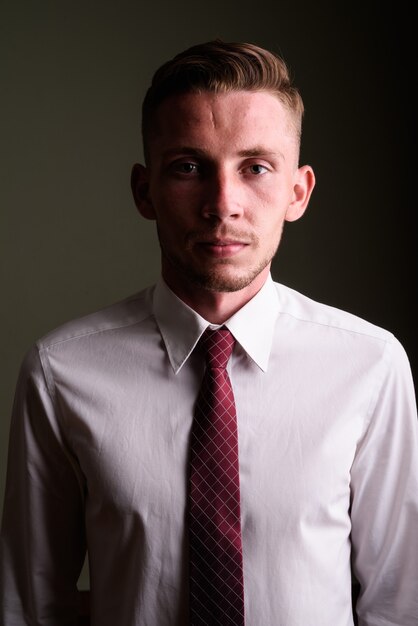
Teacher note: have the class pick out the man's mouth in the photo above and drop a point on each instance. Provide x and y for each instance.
(222, 247)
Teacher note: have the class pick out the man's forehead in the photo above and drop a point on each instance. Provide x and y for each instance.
(252, 123)
(188, 111)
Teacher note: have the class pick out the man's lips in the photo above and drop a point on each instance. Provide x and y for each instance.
(222, 247)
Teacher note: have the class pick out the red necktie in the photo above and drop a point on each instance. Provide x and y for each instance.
(216, 579)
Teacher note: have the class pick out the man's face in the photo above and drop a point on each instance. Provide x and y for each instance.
(221, 180)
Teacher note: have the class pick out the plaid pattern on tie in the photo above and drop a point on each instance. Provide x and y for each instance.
(216, 578)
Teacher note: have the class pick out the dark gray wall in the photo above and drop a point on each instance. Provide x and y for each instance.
(72, 78)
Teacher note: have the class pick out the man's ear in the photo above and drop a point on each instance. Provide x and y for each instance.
(302, 189)
(140, 191)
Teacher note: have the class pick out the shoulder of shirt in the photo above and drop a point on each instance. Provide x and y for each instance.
(127, 312)
(305, 309)
(138, 307)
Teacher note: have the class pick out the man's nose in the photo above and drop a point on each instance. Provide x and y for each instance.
(224, 196)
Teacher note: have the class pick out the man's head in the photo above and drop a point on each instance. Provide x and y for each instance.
(222, 136)
(221, 67)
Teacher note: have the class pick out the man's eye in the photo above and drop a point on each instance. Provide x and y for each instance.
(186, 168)
(258, 169)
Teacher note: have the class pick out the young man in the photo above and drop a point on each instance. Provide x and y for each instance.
(101, 457)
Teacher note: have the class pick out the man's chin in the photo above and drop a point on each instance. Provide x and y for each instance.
(224, 277)
(223, 282)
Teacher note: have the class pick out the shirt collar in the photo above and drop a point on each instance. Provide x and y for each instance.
(181, 327)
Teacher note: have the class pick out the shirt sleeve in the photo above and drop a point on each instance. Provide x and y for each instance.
(384, 508)
(42, 535)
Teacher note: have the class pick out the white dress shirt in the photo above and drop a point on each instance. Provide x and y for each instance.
(328, 466)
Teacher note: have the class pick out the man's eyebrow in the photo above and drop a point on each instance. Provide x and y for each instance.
(184, 150)
(257, 151)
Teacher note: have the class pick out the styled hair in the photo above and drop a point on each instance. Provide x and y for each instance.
(220, 67)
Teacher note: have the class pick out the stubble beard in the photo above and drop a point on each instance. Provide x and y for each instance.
(216, 280)
(213, 278)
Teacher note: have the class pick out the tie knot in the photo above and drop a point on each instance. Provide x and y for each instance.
(217, 345)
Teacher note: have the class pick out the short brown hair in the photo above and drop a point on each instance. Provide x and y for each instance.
(220, 67)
